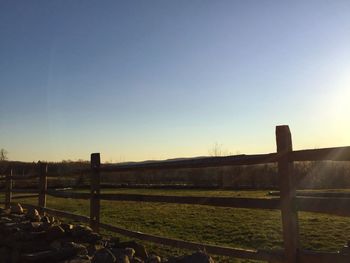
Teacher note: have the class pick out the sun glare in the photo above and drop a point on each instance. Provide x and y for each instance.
(339, 101)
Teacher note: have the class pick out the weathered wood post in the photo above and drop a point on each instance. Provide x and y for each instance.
(95, 191)
(287, 194)
(8, 194)
(42, 185)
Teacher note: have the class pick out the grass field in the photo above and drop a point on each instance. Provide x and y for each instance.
(244, 228)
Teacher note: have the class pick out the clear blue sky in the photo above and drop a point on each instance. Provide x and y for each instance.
(139, 80)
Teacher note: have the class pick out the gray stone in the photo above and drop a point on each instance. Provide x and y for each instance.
(48, 255)
(136, 260)
(79, 249)
(130, 252)
(120, 255)
(67, 227)
(77, 260)
(114, 241)
(17, 209)
(154, 259)
(92, 248)
(197, 257)
(55, 232)
(5, 220)
(90, 237)
(33, 215)
(81, 230)
(23, 240)
(56, 245)
(36, 226)
(122, 259)
(45, 220)
(103, 255)
(140, 250)
(345, 250)
(5, 254)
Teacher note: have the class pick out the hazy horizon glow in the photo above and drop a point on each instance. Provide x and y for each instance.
(143, 80)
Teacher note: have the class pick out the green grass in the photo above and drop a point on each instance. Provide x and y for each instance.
(243, 228)
(186, 192)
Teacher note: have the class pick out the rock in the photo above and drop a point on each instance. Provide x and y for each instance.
(120, 255)
(345, 250)
(136, 260)
(69, 252)
(140, 250)
(5, 220)
(5, 254)
(15, 254)
(122, 259)
(17, 209)
(36, 226)
(25, 239)
(32, 246)
(55, 232)
(18, 217)
(12, 228)
(52, 255)
(36, 256)
(90, 238)
(77, 260)
(92, 248)
(45, 220)
(197, 257)
(55, 220)
(81, 230)
(153, 259)
(130, 252)
(113, 242)
(33, 215)
(103, 255)
(28, 236)
(79, 249)
(67, 227)
(56, 245)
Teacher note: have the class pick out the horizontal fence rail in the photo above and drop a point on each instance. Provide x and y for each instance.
(325, 154)
(287, 201)
(28, 177)
(335, 206)
(257, 203)
(217, 250)
(24, 191)
(306, 256)
(25, 196)
(201, 162)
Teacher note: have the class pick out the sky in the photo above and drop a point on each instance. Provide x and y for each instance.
(140, 80)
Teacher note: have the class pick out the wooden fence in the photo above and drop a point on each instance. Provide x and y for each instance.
(288, 202)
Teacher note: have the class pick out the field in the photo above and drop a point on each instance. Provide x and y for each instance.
(244, 228)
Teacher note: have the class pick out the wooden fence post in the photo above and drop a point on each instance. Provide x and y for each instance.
(287, 194)
(95, 191)
(8, 194)
(42, 185)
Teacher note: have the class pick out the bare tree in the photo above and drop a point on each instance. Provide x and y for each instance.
(3, 154)
(217, 150)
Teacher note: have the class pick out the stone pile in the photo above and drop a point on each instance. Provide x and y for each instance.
(26, 236)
